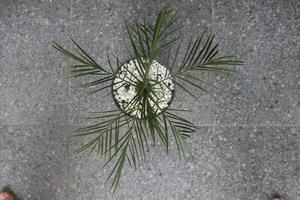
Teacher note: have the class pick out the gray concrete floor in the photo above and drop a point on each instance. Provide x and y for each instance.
(249, 141)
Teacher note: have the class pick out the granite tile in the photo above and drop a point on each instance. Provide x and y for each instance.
(33, 161)
(160, 177)
(110, 12)
(266, 161)
(8, 9)
(255, 162)
(105, 31)
(47, 11)
(97, 40)
(265, 35)
(198, 111)
(33, 86)
(230, 180)
(104, 11)
(101, 25)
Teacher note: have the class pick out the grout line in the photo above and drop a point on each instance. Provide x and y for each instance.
(259, 125)
(212, 11)
(214, 104)
(68, 111)
(213, 29)
(69, 46)
(201, 125)
(214, 175)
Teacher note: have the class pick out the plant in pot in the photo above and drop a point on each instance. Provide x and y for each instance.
(143, 88)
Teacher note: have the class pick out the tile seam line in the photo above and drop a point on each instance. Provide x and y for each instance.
(261, 125)
(213, 196)
(213, 127)
(201, 125)
(70, 31)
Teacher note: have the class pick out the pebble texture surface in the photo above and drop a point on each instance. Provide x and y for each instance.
(248, 146)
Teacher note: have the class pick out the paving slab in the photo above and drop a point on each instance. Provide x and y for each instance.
(105, 32)
(33, 87)
(256, 162)
(34, 161)
(162, 176)
(265, 35)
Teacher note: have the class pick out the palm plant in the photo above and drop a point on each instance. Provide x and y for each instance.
(121, 137)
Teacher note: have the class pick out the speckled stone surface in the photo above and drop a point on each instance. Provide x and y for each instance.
(266, 35)
(248, 146)
(33, 163)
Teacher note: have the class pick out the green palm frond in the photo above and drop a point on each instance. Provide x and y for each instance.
(202, 56)
(148, 41)
(121, 138)
(86, 66)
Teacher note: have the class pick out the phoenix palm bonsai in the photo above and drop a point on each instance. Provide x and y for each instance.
(143, 88)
